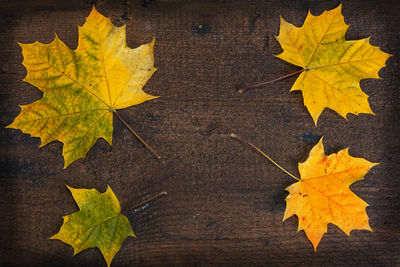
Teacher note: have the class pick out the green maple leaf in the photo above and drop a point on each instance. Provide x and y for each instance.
(98, 223)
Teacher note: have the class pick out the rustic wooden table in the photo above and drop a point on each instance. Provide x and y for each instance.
(225, 202)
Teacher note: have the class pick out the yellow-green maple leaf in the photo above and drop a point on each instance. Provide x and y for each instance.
(323, 196)
(83, 87)
(332, 66)
(98, 223)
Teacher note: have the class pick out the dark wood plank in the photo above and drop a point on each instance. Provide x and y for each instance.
(225, 202)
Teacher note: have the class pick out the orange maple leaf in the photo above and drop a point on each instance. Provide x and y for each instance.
(323, 196)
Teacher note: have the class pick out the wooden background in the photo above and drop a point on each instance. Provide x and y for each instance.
(225, 202)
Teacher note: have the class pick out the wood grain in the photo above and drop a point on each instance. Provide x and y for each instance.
(225, 202)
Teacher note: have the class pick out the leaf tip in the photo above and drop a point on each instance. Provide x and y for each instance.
(94, 10)
(276, 55)
(10, 126)
(314, 113)
(52, 237)
(108, 258)
(76, 251)
(315, 120)
(56, 38)
(108, 188)
(71, 189)
(337, 9)
(94, 14)
(68, 160)
(282, 20)
(373, 164)
(155, 97)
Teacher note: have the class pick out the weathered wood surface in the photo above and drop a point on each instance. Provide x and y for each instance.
(225, 202)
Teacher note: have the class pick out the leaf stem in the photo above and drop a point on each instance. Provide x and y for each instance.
(265, 155)
(144, 202)
(269, 82)
(137, 136)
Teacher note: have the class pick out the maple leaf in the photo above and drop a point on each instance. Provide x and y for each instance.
(323, 196)
(98, 223)
(82, 88)
(332, 66)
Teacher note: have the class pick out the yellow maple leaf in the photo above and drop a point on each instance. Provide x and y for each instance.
(332, 66)
(323, 196)
(98, 223)
(82, 88)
